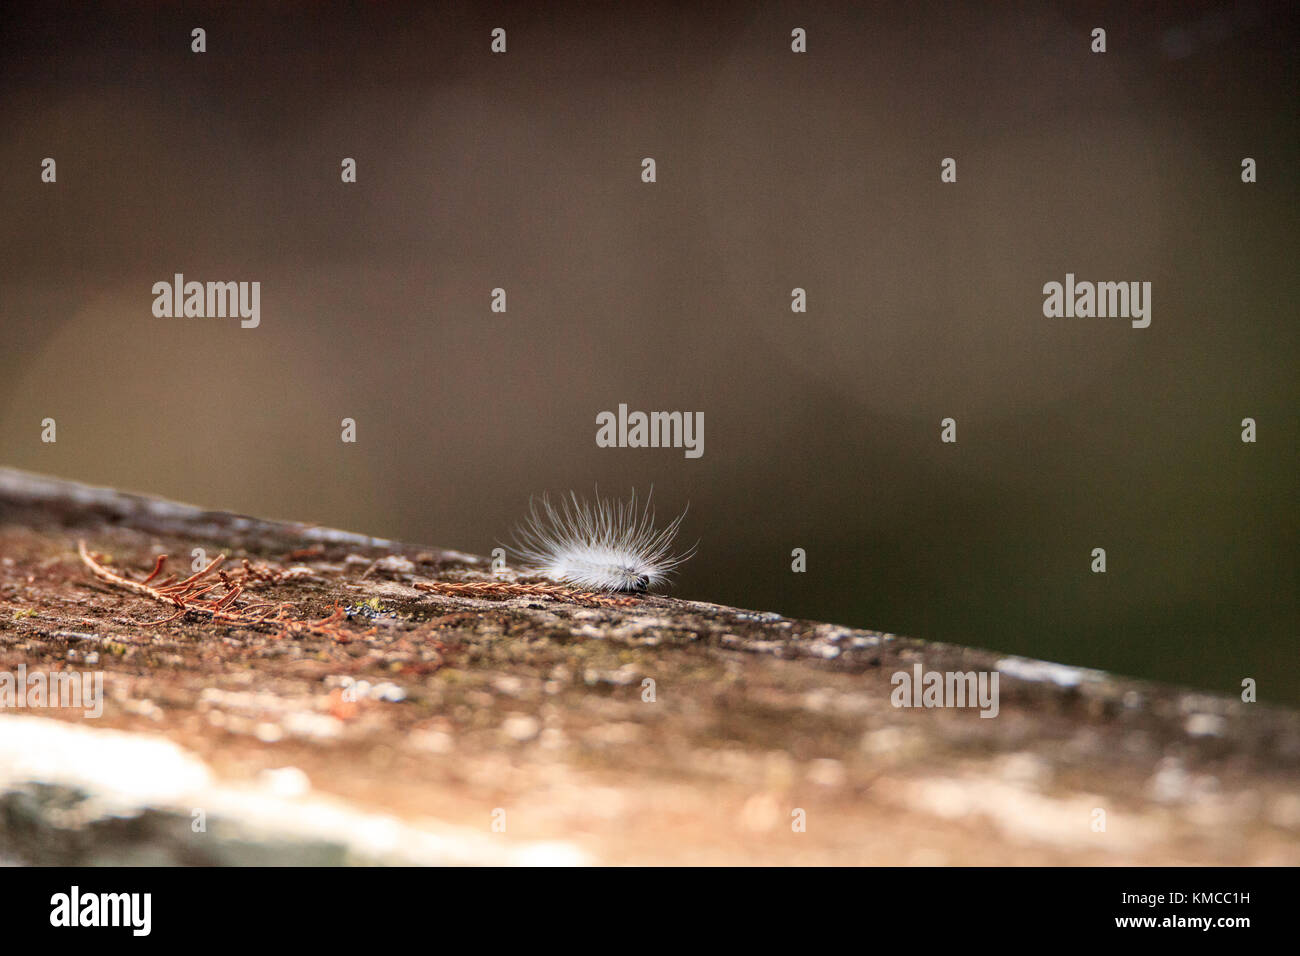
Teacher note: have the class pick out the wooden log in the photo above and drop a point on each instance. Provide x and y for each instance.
(494, 727)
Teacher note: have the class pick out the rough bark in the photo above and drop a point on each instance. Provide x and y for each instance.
(431, 716)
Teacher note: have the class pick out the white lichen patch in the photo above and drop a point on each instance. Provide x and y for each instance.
(1024, 668)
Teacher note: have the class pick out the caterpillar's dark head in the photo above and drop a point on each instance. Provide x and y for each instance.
(631, 579)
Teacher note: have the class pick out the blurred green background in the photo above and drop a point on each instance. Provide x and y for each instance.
(775, 171)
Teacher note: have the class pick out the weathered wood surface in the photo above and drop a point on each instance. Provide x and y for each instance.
(465, 707)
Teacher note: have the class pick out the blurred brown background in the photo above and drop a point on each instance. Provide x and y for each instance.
(775, 170)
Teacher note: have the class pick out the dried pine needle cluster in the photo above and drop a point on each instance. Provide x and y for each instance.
(194, 595)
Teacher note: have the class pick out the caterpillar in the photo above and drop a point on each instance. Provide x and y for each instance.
(607, 545)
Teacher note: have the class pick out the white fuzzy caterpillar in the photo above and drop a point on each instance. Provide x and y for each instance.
(606, 546)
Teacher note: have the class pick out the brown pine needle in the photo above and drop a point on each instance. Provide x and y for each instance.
(500, 590)
(157, 566)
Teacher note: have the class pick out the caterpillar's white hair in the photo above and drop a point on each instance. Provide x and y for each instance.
(606, 546)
